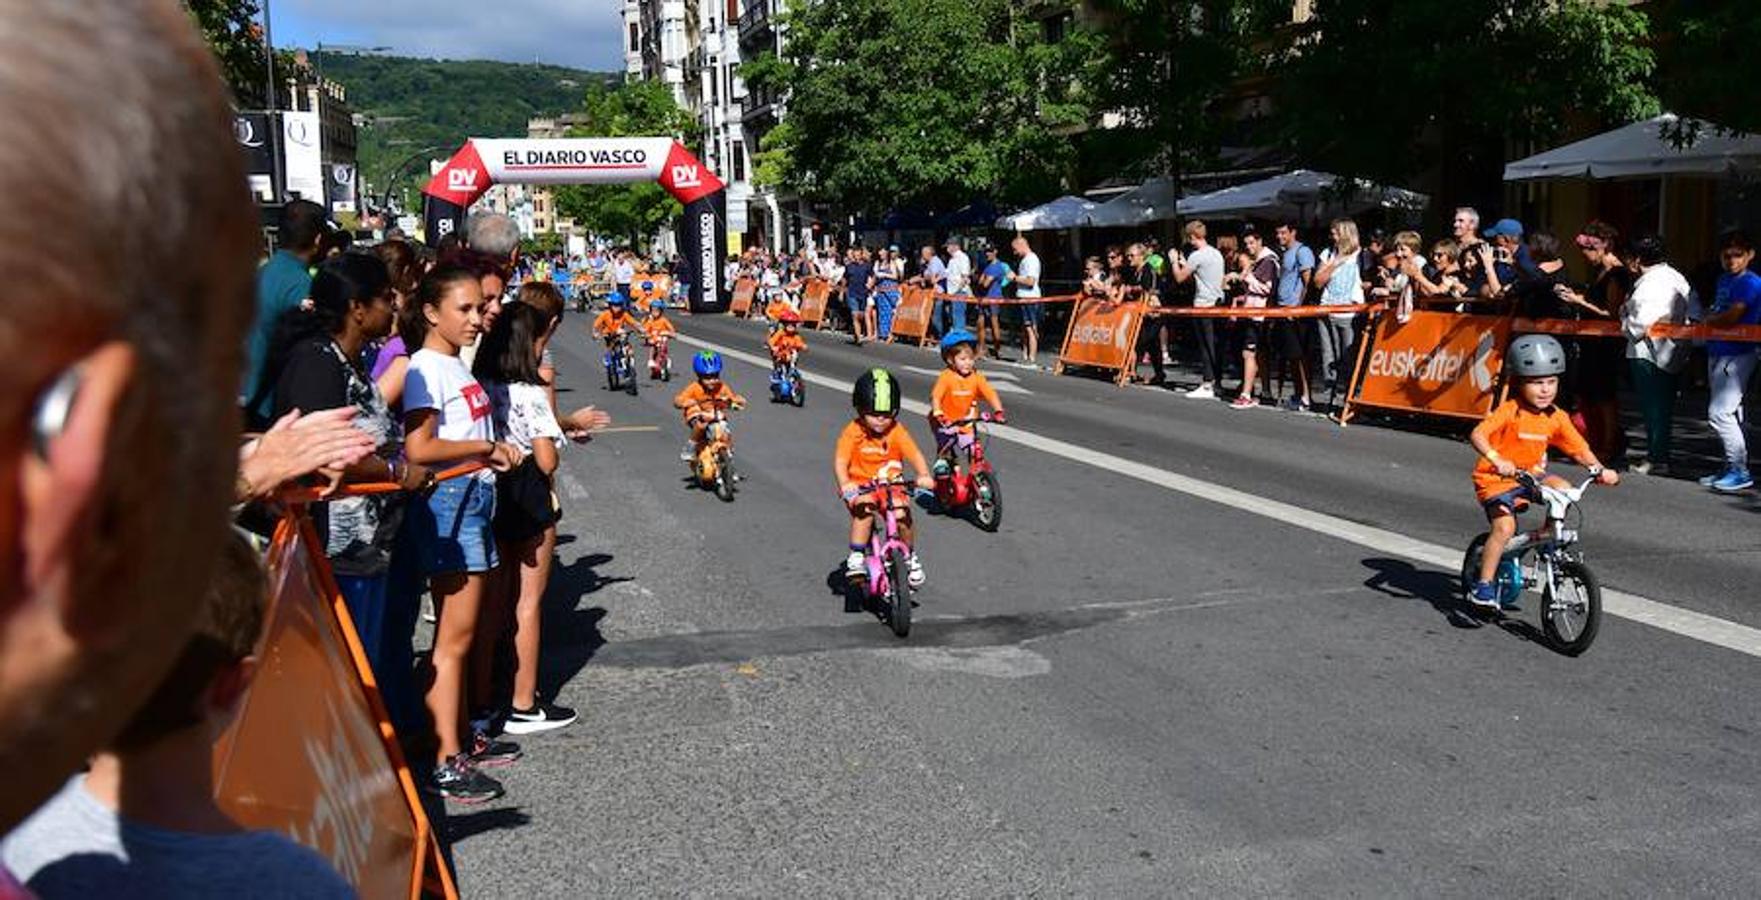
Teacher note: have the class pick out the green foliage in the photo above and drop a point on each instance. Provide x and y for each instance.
(1699, 69)
(231, 30)
(927, 103)
(630, 211)
(413, 104)
(1364, 80)
(541, 245)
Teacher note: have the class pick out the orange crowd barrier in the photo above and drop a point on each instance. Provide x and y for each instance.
(814, 296)
(741, 303)
(1436, 363)
(1612, 329)
(1102, 335)
(312, 753)
(911, 316)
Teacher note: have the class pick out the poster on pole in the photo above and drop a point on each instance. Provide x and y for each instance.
(301, 144)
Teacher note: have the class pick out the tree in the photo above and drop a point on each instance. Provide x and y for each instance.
(919, 103)
(1384, 89)
(231, 30)
(631, 211)
(1698, 42)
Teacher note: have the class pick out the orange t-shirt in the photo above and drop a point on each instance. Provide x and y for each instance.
(694, 397)
(1522, 436)
(782, 342)
(955, 395)
(775, 310)
(658, 325)
(609, 322)
(873, 457)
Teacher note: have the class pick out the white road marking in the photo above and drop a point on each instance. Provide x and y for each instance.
(1003, 387)
(1685, 622)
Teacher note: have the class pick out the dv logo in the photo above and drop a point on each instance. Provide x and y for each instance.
(687, 177)
(461, 179)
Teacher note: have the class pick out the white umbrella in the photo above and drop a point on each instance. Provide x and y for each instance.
(1298, 194)
(1152, 201)
(1641, 150)
(1065, 212)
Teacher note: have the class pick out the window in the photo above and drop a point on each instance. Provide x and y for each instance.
(737, 150)
(635, 38)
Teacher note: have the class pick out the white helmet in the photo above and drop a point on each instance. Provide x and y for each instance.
(1536, 356)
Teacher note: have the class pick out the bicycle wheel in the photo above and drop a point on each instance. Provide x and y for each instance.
(724, 478)
(898, 593)
(798, 390)
(1571, 618)
(987, 501)
(1470, 566)
(630, 381)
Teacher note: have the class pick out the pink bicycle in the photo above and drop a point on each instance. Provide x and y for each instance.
(885, 577)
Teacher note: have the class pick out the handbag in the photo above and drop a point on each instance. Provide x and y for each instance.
(523, 506)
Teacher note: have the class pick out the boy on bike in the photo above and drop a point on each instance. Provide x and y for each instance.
(702, 399)
(1514, 438)
(611, 324)
(656, 330)
(786, 343)
(955, 397)
(874, 445)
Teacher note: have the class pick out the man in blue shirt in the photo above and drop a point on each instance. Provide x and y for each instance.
(991, 280)
(283, 283)
(1296, 271)
(1730, 363)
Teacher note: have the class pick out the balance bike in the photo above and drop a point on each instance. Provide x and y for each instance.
(713, 466)
(886, 577)
(786, 385)
(971, 488)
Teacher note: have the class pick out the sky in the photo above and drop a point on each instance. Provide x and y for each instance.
(585, 34)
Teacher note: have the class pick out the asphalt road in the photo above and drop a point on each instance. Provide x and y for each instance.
(1128, 691)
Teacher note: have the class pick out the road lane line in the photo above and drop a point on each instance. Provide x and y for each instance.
(1685, 622)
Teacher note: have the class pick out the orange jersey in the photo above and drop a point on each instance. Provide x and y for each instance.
(864, 457)
(1523, 436)
(782, 342)
(694, 398)
(656, 326)
(955, 395)
(612, 321)
(775, 310)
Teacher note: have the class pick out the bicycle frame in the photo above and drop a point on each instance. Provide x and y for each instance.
(884, 536)
(1551, 539)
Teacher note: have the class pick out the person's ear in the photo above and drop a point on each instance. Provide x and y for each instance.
(59, 482)
(228, 689)
(431, 314)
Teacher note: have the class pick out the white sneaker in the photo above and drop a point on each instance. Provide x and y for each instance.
(914, 571)
(1202, 392)
(688, 453)
(855, 565)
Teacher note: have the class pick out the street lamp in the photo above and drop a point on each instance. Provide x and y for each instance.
(385, 201)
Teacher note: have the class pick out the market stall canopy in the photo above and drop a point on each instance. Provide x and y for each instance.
(1065, 212)
(1644, 150)
(1152, 201)
(1301, 194)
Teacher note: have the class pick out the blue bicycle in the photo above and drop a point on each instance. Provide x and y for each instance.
(786, 383)
(620, 365)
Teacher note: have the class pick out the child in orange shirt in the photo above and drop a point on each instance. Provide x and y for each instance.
(701, 399)
(874, 445)
(657, 330)
(1514, 438)
(786, 343)
(955, 397)
(615, 320)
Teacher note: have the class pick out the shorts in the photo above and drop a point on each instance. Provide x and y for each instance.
(1033, 314)
(453, 530)
(1513, 501)
(1250, 335)
(1286, 340)
(856, 304)
(951, 440)
(867, 504)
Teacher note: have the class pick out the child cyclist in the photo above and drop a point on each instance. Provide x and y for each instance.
(874, 445)
(1514, 438)
(615, 320)
(955, 397)
(786, 342)
(701, 399)
(657, 329)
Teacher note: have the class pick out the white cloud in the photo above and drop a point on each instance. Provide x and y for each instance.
(583, 33)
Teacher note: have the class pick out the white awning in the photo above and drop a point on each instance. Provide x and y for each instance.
(1300, 194)
(1064, 212)
(1152, 201)
(1641, 150)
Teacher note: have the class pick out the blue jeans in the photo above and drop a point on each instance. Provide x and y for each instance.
(958, 318)
(453, 527)
(365, 598)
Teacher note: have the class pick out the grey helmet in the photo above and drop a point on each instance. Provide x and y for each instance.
(1536, 356)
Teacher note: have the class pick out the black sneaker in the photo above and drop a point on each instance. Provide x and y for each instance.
(458, 780)
(541, 717)
(492, 753)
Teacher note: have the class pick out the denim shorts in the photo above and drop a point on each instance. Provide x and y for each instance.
(1512, 501)
(1032, 314)
(453, 527)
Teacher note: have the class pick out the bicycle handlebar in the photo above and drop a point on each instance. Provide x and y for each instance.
(985, 417)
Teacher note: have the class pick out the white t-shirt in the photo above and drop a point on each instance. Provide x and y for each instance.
(624, 271)
(442, 383)
(523, 414)
(1028, 268)
(959, 273)
(1207, 274)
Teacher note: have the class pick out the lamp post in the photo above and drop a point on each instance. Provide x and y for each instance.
(390, 182)
(278, 190)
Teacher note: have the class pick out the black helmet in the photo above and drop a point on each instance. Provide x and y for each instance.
(1536, 356)
(876, 393)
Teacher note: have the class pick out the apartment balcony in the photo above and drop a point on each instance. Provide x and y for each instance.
(755, 22)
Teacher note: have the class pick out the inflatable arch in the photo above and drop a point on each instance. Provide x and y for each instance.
(482, 162)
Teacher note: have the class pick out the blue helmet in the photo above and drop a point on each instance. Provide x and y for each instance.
(657, 304)
(957, 337)
(706, 364)
(617, 300)
(647, 285)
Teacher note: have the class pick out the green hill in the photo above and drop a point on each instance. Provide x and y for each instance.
(411, 104)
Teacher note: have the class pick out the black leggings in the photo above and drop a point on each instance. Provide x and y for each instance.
(1212, 364)
(1149, 341)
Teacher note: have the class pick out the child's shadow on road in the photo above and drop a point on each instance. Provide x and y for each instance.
(1442, 590)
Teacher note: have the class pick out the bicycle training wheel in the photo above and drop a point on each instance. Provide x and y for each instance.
(1570, 618)
(987, 501)
(898, 593)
